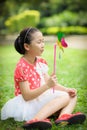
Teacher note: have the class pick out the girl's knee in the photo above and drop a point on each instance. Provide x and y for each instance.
(66, 97)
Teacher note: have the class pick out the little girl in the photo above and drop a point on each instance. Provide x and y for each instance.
(34, 99)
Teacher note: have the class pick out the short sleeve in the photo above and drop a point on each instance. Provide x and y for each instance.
(20, 74)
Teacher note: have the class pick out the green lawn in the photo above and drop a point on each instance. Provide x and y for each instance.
(71, 72)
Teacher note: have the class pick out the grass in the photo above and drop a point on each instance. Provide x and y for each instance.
(71, 71)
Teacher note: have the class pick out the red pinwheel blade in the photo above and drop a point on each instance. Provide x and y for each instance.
(64, 44)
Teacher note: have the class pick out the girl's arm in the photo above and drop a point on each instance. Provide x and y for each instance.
(57, 86)
(29, 94)
(71, 91)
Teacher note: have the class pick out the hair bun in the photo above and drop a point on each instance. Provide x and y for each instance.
(18, 45)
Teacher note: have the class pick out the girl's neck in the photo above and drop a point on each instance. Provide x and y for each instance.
(29, 59)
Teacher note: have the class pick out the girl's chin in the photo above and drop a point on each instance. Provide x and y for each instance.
(39, 54)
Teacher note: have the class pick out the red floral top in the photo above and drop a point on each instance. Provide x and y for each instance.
(31, 73)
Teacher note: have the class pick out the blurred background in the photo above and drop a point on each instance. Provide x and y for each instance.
(50, 16)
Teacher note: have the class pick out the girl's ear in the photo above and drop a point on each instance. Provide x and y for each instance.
(26, 46)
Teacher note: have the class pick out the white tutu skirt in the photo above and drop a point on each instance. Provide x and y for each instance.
(22, 110)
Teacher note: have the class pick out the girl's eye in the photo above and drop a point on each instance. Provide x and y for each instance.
(40, 41)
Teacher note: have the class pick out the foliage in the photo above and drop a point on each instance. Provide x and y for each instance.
(10, 7)
(22, 20)
(66, 30)
(58, 6)
(66, 18)
(71, 72)
(62, 22)
(47, 8)
(67, 22)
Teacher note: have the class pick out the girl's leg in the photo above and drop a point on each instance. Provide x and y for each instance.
(70, 107)
(53, 106)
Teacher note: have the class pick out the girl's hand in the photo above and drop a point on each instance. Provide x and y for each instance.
(52, 81)
(71, 91)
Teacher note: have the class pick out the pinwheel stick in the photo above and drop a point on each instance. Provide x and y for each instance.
(61, 44)
(54, 66)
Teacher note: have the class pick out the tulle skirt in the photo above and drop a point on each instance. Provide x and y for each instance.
(22, 110)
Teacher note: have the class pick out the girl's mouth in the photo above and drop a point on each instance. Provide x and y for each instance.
(42, 50)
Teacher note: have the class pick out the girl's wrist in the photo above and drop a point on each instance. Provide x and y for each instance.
(47, 87)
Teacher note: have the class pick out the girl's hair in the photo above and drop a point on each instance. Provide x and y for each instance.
(25, 36)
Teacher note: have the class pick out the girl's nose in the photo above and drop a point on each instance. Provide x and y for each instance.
(42, 44)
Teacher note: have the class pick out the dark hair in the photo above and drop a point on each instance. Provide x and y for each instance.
(25, 36)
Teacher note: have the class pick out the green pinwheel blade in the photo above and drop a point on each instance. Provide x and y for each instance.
(60, 35)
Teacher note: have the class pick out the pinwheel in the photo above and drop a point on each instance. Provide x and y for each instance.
(61, 44)
(61, 41)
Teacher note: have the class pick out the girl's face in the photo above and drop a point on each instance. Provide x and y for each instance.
(37, 44)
